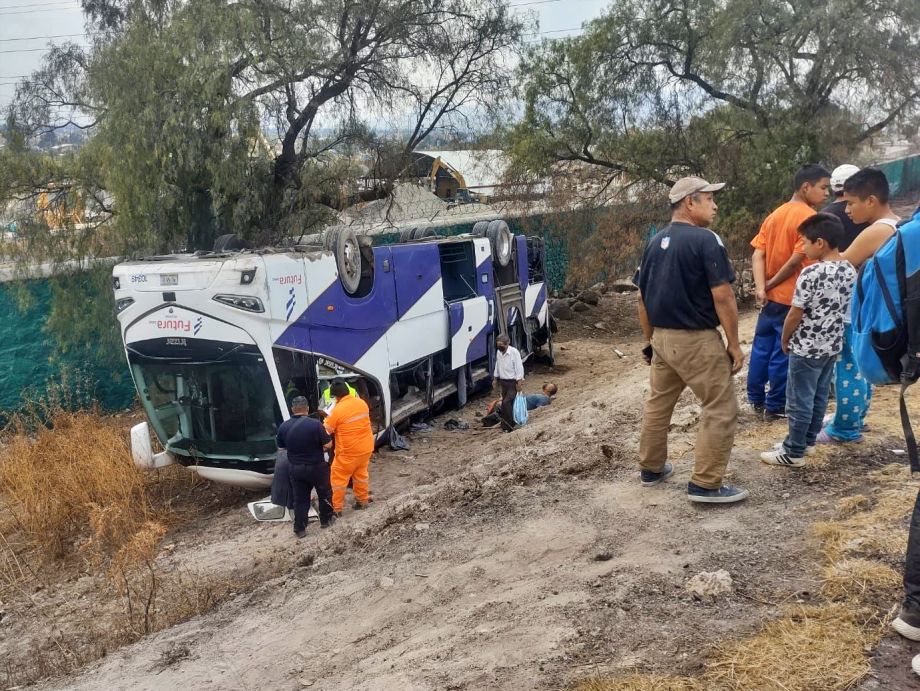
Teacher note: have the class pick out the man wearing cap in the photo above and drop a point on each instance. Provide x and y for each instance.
(305, 440)
(838, 205)
(685, 293)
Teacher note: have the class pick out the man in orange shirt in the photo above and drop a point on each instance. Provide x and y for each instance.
(777, 261)
(350, 425)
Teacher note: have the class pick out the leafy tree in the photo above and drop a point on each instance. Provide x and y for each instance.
(252, 117)
(742, 90)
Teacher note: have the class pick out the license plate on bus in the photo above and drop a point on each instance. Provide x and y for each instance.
(169, 279)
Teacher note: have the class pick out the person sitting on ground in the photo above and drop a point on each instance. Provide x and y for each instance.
(813, 336)
(304, 438)
(776, 263)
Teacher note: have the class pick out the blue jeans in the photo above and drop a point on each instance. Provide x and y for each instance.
(769, 363)
(807, 391)
(853, 394)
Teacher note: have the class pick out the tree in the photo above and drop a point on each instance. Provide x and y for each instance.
(177, 98)
(251, 117)
(743, 90)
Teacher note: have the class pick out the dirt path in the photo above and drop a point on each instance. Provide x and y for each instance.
(512, 561)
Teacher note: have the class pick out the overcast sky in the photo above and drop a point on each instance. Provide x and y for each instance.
(21, 19)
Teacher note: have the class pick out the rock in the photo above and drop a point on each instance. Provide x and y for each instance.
(386, 582)
(580, 307)
(623, 285)
(304, 682)
(599, 288)
(708, 585)
(601, 326)
(420, 527)
(589, 297)
(561, 310)
(603, 556)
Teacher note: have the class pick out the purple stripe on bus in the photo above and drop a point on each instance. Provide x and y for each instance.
(538, 303)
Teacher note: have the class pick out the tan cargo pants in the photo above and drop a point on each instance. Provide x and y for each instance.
(697, 359)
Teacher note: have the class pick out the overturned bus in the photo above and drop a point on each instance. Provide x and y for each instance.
(218, 343)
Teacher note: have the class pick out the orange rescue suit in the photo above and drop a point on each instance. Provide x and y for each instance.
(350, 422)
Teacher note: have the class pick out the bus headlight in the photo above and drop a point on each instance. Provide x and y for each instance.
(241, 302)
(123, 304)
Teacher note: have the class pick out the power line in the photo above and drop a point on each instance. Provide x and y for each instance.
(34, 4)
(31, 50)
(38, 38)
(50, 9)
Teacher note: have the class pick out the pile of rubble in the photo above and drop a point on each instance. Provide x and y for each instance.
(565, 307)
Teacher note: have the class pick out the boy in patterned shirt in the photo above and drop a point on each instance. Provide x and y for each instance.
(813, 336)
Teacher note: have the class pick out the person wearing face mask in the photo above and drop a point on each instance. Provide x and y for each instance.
(509, 377)
(777, 260)
(685, 293)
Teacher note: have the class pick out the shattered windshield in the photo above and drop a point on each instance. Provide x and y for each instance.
(219, 408)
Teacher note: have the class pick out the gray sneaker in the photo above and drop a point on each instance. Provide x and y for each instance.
(650, 479)
(726, 494)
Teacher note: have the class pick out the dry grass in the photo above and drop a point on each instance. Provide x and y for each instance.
(72, 487)
(809, 648)
(641, 682)
(817, 647)
(858, 580)
(74, 504)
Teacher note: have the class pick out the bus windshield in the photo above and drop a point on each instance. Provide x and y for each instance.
(223, 409)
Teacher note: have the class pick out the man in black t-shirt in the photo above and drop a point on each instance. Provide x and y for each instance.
(685, 292)
(838, 207)
(305, 440)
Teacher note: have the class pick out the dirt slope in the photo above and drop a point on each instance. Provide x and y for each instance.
(511, 561)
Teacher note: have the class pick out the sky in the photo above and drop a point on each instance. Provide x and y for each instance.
(25, 25)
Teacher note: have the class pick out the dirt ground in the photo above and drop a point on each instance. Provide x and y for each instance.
(509, 561)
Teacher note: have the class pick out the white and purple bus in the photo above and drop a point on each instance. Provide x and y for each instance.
(219, 342)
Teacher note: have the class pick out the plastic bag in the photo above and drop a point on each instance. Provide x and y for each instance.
(520, 409)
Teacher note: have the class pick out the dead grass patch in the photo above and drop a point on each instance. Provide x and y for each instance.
(641, 682)
(817, 647)
(74, 504)
(810, 648)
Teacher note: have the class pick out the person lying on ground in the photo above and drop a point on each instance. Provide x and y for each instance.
(534, 401)
(813, 336)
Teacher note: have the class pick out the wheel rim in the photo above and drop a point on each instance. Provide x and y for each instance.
(351, 260)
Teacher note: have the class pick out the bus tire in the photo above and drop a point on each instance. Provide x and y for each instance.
(500, 237)
(347, 251)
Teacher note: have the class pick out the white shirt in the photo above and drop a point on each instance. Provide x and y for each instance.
(508, 365)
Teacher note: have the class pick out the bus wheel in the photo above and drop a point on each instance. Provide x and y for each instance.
(500, 237)
(344, 243)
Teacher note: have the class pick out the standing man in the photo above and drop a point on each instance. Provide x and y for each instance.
(776, 263)
(509, 375)
(304, 438)
(685, 292)
(350, 423)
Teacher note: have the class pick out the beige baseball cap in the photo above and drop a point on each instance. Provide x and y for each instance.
(691, 185)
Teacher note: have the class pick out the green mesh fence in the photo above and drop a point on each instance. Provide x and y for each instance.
(32, 368)
(903, 174)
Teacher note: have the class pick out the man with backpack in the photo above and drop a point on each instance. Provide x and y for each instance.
(866, 193)
(886, 348)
